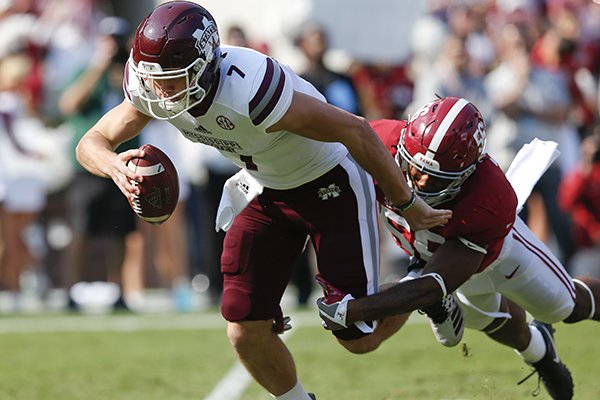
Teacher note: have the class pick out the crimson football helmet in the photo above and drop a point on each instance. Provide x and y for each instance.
(178, 41)
(444, 139)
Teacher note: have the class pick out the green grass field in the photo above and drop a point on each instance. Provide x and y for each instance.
(185, 356)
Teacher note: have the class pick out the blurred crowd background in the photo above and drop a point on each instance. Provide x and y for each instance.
(69, 241)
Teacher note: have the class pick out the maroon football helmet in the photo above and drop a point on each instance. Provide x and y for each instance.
(178, 40)
(444, 139)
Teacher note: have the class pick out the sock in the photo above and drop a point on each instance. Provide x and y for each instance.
(536, 349)
(295, 393)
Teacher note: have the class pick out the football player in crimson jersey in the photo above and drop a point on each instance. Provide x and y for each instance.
(312, 161)
(485, 254)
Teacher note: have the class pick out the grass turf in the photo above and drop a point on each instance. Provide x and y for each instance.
(186, 362)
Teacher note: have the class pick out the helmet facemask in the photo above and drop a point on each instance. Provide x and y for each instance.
(444, 140)
(176, 104)
(431, 167)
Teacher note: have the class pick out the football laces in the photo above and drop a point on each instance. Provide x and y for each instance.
(137, 207)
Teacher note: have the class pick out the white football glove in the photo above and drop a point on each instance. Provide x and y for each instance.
(334, 314)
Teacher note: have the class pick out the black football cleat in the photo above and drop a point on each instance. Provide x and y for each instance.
(312, 396)
(555, 375)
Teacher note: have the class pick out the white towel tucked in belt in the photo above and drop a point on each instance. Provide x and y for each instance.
(529, 165)
(238, 192)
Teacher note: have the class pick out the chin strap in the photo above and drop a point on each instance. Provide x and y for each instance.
(440, 282)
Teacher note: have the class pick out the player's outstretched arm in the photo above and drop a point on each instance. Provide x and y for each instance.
(341, 312)
(95, 150)
(317, 120)
(450, 266)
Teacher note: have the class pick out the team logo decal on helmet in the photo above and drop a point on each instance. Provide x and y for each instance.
(444, 139)
(208, 35)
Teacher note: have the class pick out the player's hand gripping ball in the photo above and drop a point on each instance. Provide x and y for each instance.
(159, 189)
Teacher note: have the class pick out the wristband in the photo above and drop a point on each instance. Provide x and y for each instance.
(406, 206)
(439, 280)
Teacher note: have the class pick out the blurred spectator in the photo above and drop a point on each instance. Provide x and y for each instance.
(427, 40)
(336, 87)
(22, 175)
(578, 55)
(579, 195)
(2, 196)
(67, 31)
(467, 21)
(504, 85)
(454, 73)
(101, 219)
(532, 101)
(384, 90)
(236, 36)
(18, 27)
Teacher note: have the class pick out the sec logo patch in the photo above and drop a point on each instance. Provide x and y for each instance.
(225, 123)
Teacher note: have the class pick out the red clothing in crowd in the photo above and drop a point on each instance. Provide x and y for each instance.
(579, 194)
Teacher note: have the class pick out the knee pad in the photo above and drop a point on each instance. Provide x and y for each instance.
(502, 321)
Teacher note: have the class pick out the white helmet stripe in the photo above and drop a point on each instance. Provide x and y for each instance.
(443, 128)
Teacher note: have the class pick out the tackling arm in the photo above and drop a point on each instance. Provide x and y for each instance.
(317, 120)
(454, 262)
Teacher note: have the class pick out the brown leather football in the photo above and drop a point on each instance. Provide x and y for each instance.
(159, 190)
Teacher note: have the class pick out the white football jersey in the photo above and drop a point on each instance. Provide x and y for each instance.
(254, 92)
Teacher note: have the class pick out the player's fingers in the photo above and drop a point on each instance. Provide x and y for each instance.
(427, 222)
(127, 186)
(423, 216)
(442, 217)
(123, 164)
(125, 179)
(430, 222)
(129, 154)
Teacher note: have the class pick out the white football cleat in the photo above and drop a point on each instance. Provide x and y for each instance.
(446, 320)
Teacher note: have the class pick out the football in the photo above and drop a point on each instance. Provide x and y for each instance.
(159, 189)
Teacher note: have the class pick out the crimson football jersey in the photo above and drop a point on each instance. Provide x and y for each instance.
(482, 213)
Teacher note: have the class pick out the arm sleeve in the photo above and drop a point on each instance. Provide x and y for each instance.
(271, 94)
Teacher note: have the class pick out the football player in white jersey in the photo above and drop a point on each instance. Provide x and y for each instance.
(312, 164)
